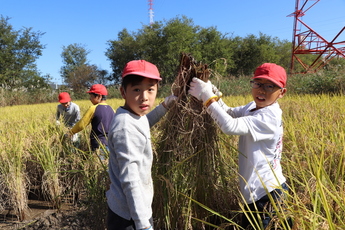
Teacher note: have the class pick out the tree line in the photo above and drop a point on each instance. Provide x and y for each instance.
(160, 43)
(163, 42)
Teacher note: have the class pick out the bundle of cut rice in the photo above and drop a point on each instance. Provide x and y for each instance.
(188, 158)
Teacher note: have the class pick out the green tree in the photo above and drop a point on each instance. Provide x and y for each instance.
(120, 52)
(177, 36)
(19, 52)
(73, 57)
(216, 50)
(283, 48)
(77, 72)
(252, 51)
(102, 77)
(247, 55)
(163, 43)
(82, 77)
(337, 62)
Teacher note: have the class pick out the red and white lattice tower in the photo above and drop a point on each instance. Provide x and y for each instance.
(151, 11)
(307, 41)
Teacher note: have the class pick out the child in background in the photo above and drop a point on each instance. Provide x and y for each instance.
(99, 115)
(131, 190)
(260, 127)
(69, 112)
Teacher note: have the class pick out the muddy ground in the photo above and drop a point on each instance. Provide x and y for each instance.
(41, 216)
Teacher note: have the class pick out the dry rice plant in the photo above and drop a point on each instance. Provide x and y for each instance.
(189, 162)
(36, 163)
(50, 162)
(13, 177)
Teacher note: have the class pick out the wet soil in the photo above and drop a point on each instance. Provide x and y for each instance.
(41, 215)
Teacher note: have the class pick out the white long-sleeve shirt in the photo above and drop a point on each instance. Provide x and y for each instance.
(260, 145)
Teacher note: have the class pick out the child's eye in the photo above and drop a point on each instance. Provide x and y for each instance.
(270, 86)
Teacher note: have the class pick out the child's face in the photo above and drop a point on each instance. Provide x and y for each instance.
(66, 105)
(140, 97)
(263, 97)
(95, 99)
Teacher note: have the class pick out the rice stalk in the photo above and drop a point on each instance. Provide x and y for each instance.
(188, 159)
(13, 176)
(48, 159)
(96, 183)
(315, 169)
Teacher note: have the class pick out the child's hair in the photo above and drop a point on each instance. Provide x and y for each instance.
(104, 98)
(133, 80)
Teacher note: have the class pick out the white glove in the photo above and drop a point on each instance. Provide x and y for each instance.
(57, 123)
(216, 91)
(201, 90)
(169, 101)
(219, 99)
(75, 137)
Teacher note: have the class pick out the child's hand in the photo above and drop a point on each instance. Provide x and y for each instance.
(169, 101)
(201, 90)
(216, 91)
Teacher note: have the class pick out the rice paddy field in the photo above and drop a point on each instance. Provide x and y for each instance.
(191, 191)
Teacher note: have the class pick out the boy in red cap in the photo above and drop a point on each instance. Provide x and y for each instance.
(68, 111)
(99, 115)
(260, 127)
(131, 190)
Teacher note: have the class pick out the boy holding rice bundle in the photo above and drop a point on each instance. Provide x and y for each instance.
(131, 190)
(260, 127)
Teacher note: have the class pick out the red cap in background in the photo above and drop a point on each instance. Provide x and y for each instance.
(98, 89)
(64, 97)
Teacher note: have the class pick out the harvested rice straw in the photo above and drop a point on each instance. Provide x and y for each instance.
(187, 156)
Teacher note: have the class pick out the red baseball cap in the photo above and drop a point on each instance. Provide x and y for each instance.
(98, 89)
(141, 68)
(64, 97)
(272, 72)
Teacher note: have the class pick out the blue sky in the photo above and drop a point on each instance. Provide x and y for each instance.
(93, 23)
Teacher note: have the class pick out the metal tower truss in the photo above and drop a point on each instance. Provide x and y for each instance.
(151, 12)
(308, 41)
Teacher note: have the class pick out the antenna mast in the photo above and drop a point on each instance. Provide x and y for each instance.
(151, 11)
(307, 41)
